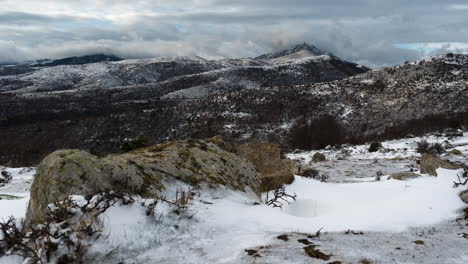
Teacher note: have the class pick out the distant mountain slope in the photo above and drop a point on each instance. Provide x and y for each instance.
(390, 102)
(300, 66)
(36, 98)
(81, 60)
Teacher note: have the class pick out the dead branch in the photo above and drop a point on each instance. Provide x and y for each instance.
(279, 197)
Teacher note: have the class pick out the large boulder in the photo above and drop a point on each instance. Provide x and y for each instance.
(401, 176)
(267, 159)
(430, 163)
(143, 172)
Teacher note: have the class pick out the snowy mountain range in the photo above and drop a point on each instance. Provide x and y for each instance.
(276, 97)
(300, 65)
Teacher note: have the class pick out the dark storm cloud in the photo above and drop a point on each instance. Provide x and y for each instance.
(364, 31)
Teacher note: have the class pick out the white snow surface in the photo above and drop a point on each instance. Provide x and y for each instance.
(14, 197)
(220, 224)
(392, 149)
(220, 232)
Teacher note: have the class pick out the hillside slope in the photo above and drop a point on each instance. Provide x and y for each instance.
(389, 102)
(66, 102)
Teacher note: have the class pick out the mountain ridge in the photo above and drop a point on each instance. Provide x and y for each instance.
(78, 60)
(313, 51)
(96, 106)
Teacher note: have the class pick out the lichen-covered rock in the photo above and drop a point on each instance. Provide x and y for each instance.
(430, 163)
(318, 157)
(464, 196)
(403, 176)
(142, 171)
(267, 159)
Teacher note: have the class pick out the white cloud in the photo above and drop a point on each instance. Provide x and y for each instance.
(431, 48)
(457, 7)
(358, 30)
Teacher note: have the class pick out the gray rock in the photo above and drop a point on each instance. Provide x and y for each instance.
(403, 176)
(430, 163)
(142, 172)
(318, 157)
(455, 152)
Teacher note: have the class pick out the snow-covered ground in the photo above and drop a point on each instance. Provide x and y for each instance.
(391, 221)
(14, 197)
(220, 225)
(392, 149)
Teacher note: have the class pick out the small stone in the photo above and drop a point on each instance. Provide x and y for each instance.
(304, 241)
(283, 237)
(464, 196)
(315, 253)
(455, 152)
(318, 157)
(252, 252)
(401, 176)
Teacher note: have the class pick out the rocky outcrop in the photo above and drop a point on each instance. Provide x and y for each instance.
(267, 159)
(402, 176)
(430, 164)
(143, 171)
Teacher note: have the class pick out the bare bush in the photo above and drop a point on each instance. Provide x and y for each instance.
(437, 149)
(183, 197)
(279, 197)
(428, 148)
(375, 146)
(422, 146)
(64, 235)
(460, 181)
(378, 175)
(323, 177)
(70, 227)
(5, 178)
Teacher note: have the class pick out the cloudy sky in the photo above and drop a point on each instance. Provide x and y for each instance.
(370, 32)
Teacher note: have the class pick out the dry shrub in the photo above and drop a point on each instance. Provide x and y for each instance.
(425, 147)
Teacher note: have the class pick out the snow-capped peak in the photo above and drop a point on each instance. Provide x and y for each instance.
(299, 51)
